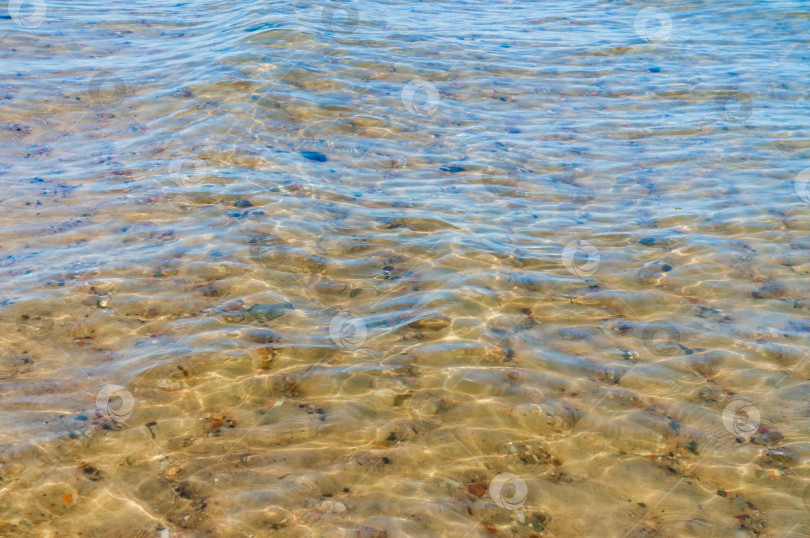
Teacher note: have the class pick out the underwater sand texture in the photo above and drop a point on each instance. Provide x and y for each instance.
(404, 269)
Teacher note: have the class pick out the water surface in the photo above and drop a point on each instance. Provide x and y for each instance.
(404, 269)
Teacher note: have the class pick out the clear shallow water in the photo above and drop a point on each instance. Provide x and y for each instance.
(419, 269)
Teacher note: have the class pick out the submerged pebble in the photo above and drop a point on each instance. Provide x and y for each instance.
(452, 169)
(262, 336)
(269, 311)
(772, 290)
(316, 156)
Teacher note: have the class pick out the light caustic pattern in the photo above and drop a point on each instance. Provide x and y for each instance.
(404, 269)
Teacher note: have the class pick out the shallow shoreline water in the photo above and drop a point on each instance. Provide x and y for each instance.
(399, 269)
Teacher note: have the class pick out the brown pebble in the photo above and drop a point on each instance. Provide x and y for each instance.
(489, 527)
(431, 323)
(772, 290)
(262, 336)
(173, 470)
